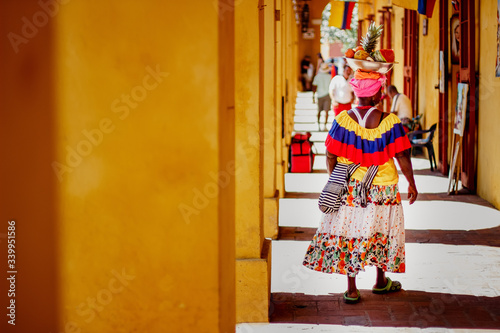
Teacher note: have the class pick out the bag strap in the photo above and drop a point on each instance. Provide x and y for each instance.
(351, 168)
(329, 199)
(366, 183)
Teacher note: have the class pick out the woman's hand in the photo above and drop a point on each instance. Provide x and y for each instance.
(412, 193)
(404, 162)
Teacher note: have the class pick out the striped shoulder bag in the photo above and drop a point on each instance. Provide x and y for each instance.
(329, 199)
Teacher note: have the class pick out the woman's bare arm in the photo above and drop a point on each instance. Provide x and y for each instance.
(404, 162)
(331, 161)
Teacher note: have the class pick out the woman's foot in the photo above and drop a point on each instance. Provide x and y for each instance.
(352, 298)
(390, 287)
(381, 283)
(352, 294)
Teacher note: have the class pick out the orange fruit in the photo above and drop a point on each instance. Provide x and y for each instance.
(349, 53)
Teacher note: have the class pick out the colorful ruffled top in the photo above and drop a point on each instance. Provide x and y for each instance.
(378, 146)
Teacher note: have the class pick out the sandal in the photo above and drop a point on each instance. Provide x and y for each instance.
(352, 300)
(392, 286)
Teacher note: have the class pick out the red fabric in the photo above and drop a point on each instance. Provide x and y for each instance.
(349, 6)
(356, 155)
(341, 107)
(334, 72)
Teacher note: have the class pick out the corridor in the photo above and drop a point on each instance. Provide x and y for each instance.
(452, 282)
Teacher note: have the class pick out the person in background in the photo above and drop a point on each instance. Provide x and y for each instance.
(306, 72)
(334, 68)
(320, 61)
(320, 87)
(341, 92)
(401, 105)
(455, 40)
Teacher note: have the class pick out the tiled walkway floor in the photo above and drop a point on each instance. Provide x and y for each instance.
(452, 283)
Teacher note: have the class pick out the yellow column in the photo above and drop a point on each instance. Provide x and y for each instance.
(249, 235)
(125, 165)
(295, 61)
(269, 111)
(286, 78)
(280, 101)
(252, 289)
(290, 62)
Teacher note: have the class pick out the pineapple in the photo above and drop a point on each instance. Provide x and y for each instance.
(370, 40)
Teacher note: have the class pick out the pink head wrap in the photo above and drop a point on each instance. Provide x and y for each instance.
(367, 84)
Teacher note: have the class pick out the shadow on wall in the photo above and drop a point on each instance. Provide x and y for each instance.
(28, 184)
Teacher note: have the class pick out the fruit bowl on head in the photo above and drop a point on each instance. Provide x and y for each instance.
(370, 66)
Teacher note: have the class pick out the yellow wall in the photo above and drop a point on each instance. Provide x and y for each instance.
(428, 72)
(287, 52)
(398, 14)
(279, 93)
(143, 161)
(410, 4)
(252, 287)
(128, 234)
(488, 180)
(249, 233)
(122, 205)
(269, 131)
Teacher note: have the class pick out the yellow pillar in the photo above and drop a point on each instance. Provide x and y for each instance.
(252, 288)
(269, 114)
(248, 198)
(122, 185)
(280, 100)
(289, 79)
(287, 66)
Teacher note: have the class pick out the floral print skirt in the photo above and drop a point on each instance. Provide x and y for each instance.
(354, 237)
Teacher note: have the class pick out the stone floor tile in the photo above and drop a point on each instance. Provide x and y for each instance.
(360, 320)
(379, 315)
(329, 306)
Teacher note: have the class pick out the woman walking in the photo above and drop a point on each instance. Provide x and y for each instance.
(368, 228)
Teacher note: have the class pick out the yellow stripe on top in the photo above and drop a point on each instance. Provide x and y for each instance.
(387, 173)
(336, 14)
(344, 120)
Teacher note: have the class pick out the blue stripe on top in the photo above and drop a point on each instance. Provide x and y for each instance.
(347, 17)
(343, 135)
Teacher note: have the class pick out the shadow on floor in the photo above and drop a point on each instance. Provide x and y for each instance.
(403, 309)
(486, 237)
